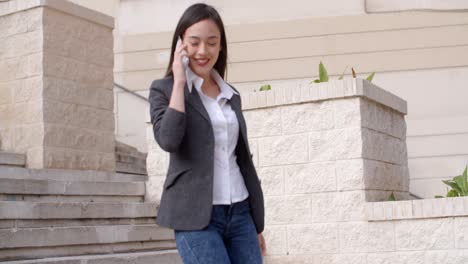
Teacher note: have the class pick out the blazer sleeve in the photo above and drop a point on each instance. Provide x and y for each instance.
(168, 123)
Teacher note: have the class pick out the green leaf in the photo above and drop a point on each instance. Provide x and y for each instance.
(323, 75)
(316, 81)
(462, 184)
(452, 193)
(370, 77)
(265, 87)
(392, 197)
(452, 184)
(438, 196)
(342, 75)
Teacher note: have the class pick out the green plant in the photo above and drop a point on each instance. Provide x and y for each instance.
(323, 74)
(458, 185)
(392, 197)
(265, 87)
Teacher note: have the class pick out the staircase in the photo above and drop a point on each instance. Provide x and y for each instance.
(70, 216)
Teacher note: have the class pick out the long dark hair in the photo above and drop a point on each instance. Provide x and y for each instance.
(194, 14)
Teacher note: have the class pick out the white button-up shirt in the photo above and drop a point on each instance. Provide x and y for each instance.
(228, 183)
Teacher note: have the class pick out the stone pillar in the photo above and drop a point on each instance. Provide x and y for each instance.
(56, 84)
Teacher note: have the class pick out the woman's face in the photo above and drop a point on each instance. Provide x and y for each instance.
(203, 41)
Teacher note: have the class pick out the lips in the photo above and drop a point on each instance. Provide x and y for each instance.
(202, 62)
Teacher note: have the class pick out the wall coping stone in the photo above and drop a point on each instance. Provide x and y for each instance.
(14, 6)
(417, 209)
(315, 92)
(333, 89)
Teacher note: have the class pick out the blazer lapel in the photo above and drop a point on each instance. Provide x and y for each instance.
(236, 106)
(193, 98)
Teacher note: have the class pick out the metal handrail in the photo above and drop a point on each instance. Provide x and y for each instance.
(131, 92)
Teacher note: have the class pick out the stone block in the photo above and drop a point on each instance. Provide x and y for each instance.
(12, 159)
(154, 188)
(315, 238)
(307, 117)
(379, 146)
(456, 256)
(461, 232)
(322, 145)
(427, 234)
(263, 122)
(310, 178)
(350, 174)
(6, 94)
(60, 158)
(347, 112)
(275, 240)
(28, 90)
(78, 115)
(78, 138)
(385, 176)
(348, 143)
(283, 150)
(287, 209)
(13, 24)
(157, 162)
(272, 180)
(366, 237)
(412, 257)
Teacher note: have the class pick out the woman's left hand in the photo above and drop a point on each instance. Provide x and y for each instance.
(261, 241)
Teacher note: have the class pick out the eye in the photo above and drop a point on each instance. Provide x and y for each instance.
(213, 44)
(194, 44)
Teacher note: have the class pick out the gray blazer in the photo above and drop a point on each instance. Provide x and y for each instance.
(187, 196)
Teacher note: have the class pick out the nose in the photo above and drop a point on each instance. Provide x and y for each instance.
(202, 49)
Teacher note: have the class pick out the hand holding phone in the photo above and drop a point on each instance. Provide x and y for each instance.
(181, 62)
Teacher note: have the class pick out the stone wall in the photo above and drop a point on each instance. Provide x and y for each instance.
(56, 82)
(326, 155)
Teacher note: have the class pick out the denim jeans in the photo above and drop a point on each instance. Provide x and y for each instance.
(230, 237)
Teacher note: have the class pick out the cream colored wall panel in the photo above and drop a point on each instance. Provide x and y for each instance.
(140, 80)
(349, 43)
(108, 7)
(432, 146)
(403, 5)
(155, 16)
(306, 28)
(437, 167)
(144, 60)
(443, 125)
(436, 98)
(363, 63)
(313, 46)
(428, 188)
(143, 42)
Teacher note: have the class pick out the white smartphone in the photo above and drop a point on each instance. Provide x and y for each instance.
(185, 59)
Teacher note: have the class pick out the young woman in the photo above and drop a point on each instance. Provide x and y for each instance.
(212, 196)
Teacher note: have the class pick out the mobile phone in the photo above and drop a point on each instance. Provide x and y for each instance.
(185, 59)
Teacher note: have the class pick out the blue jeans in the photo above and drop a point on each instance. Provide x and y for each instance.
(230, 237)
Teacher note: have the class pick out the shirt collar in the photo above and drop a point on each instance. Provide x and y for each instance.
(194, 80)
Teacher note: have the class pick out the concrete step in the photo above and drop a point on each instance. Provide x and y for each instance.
(75, 210)
(12, 159)
(130, 168)
(28, 189)
(68, 175)
(155, 257)
(70, 198)
(21, 243)
(131, 157)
